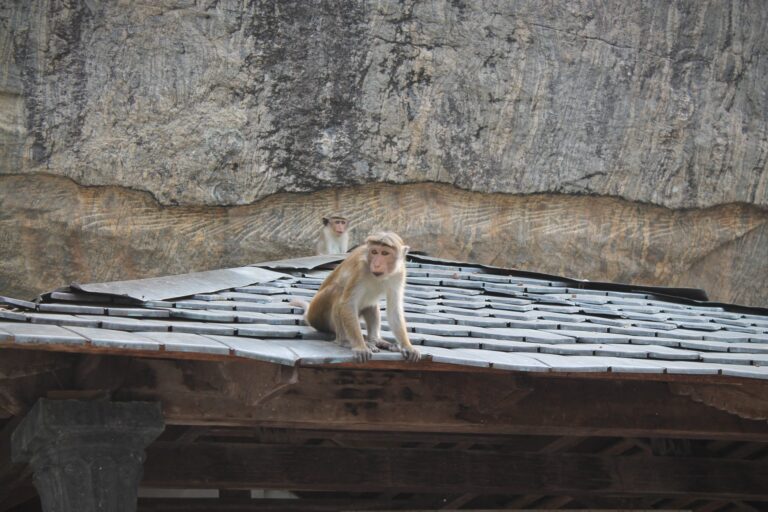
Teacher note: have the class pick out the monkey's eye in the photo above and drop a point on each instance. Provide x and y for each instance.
(385, 253)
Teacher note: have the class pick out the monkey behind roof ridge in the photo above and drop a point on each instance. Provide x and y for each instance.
(334, 236)
(353, 289)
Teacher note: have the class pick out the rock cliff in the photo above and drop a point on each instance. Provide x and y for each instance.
(640, 128)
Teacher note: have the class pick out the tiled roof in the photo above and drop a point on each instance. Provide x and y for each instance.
(458, 314)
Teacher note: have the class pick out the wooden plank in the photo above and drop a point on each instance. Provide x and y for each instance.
(287, 505)
(409, 398)
(324, 468)
(363, 398)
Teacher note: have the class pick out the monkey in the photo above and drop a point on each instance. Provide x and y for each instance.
(353, 289)
(334, 237)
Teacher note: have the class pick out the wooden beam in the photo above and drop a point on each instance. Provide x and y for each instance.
(323, 468)
(282, 505)
(257, 394)
(243, 393)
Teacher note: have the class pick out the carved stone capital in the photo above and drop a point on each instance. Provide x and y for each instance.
(87, 455)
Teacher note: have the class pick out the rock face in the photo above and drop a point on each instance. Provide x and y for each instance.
(620, 141)
(61, 232)
(226, 102)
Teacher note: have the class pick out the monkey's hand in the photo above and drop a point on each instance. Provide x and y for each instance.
(380, 344)
(410, 354)
(362, 354)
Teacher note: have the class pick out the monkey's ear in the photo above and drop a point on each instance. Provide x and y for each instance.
(325, 221)
(406, 248)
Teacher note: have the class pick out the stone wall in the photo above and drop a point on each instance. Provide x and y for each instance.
(640, 129)
(61, 232)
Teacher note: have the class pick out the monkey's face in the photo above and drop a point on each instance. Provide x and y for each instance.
(339, 226)
(382, 259)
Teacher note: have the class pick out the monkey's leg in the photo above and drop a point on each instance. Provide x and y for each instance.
(372, 318)
(349, 322)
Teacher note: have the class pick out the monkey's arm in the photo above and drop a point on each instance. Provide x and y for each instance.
(349, 318)
(396, 318)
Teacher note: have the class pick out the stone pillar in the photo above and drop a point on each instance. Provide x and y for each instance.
(87, 456)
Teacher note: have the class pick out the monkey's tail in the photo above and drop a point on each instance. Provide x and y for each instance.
(300, 303)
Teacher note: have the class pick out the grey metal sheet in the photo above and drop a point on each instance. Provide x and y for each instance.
(448, 341)
(410, 307)
(24, 333)
(686, 367)
(599, 311)
(261, 290)
(455, 356)
(476, 320)
(266, 318)
(730, 336)
(701, 326)
(138, 312)
(431, 294)
(505, 308)
(244, 297)
(461, 294)
(572, 363)
(308, 263)
(17, 303)
(657, 326)
(424, 281)
(586, 349)
(121, 340)
(652, 340)
(78, 297)
(262, 350)
(586, 327)
(427, 319)
(736, 358)
(61, 319)
(510, 301)
(463, 283)
(186, 342)
(750, 348)
(754, 372)
(511, 361)
(274, 307)
(611, 322)
(450, 310)
(203, 328)
(510, 345)
(213, 305)
(521, 335)
(317, 352)
(446, 330)
(532, 324)
(300, 292)
(267, 330)
(204, 315)
(510, 315)
(74, 309)
(634, 331)
(705, 346)
(163, 288)
(506, 289)
(130, 324)
(12, 315)
(627, 365)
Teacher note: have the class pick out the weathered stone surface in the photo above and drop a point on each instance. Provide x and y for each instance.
(226, 102)
(86, 456)
(53, 231)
